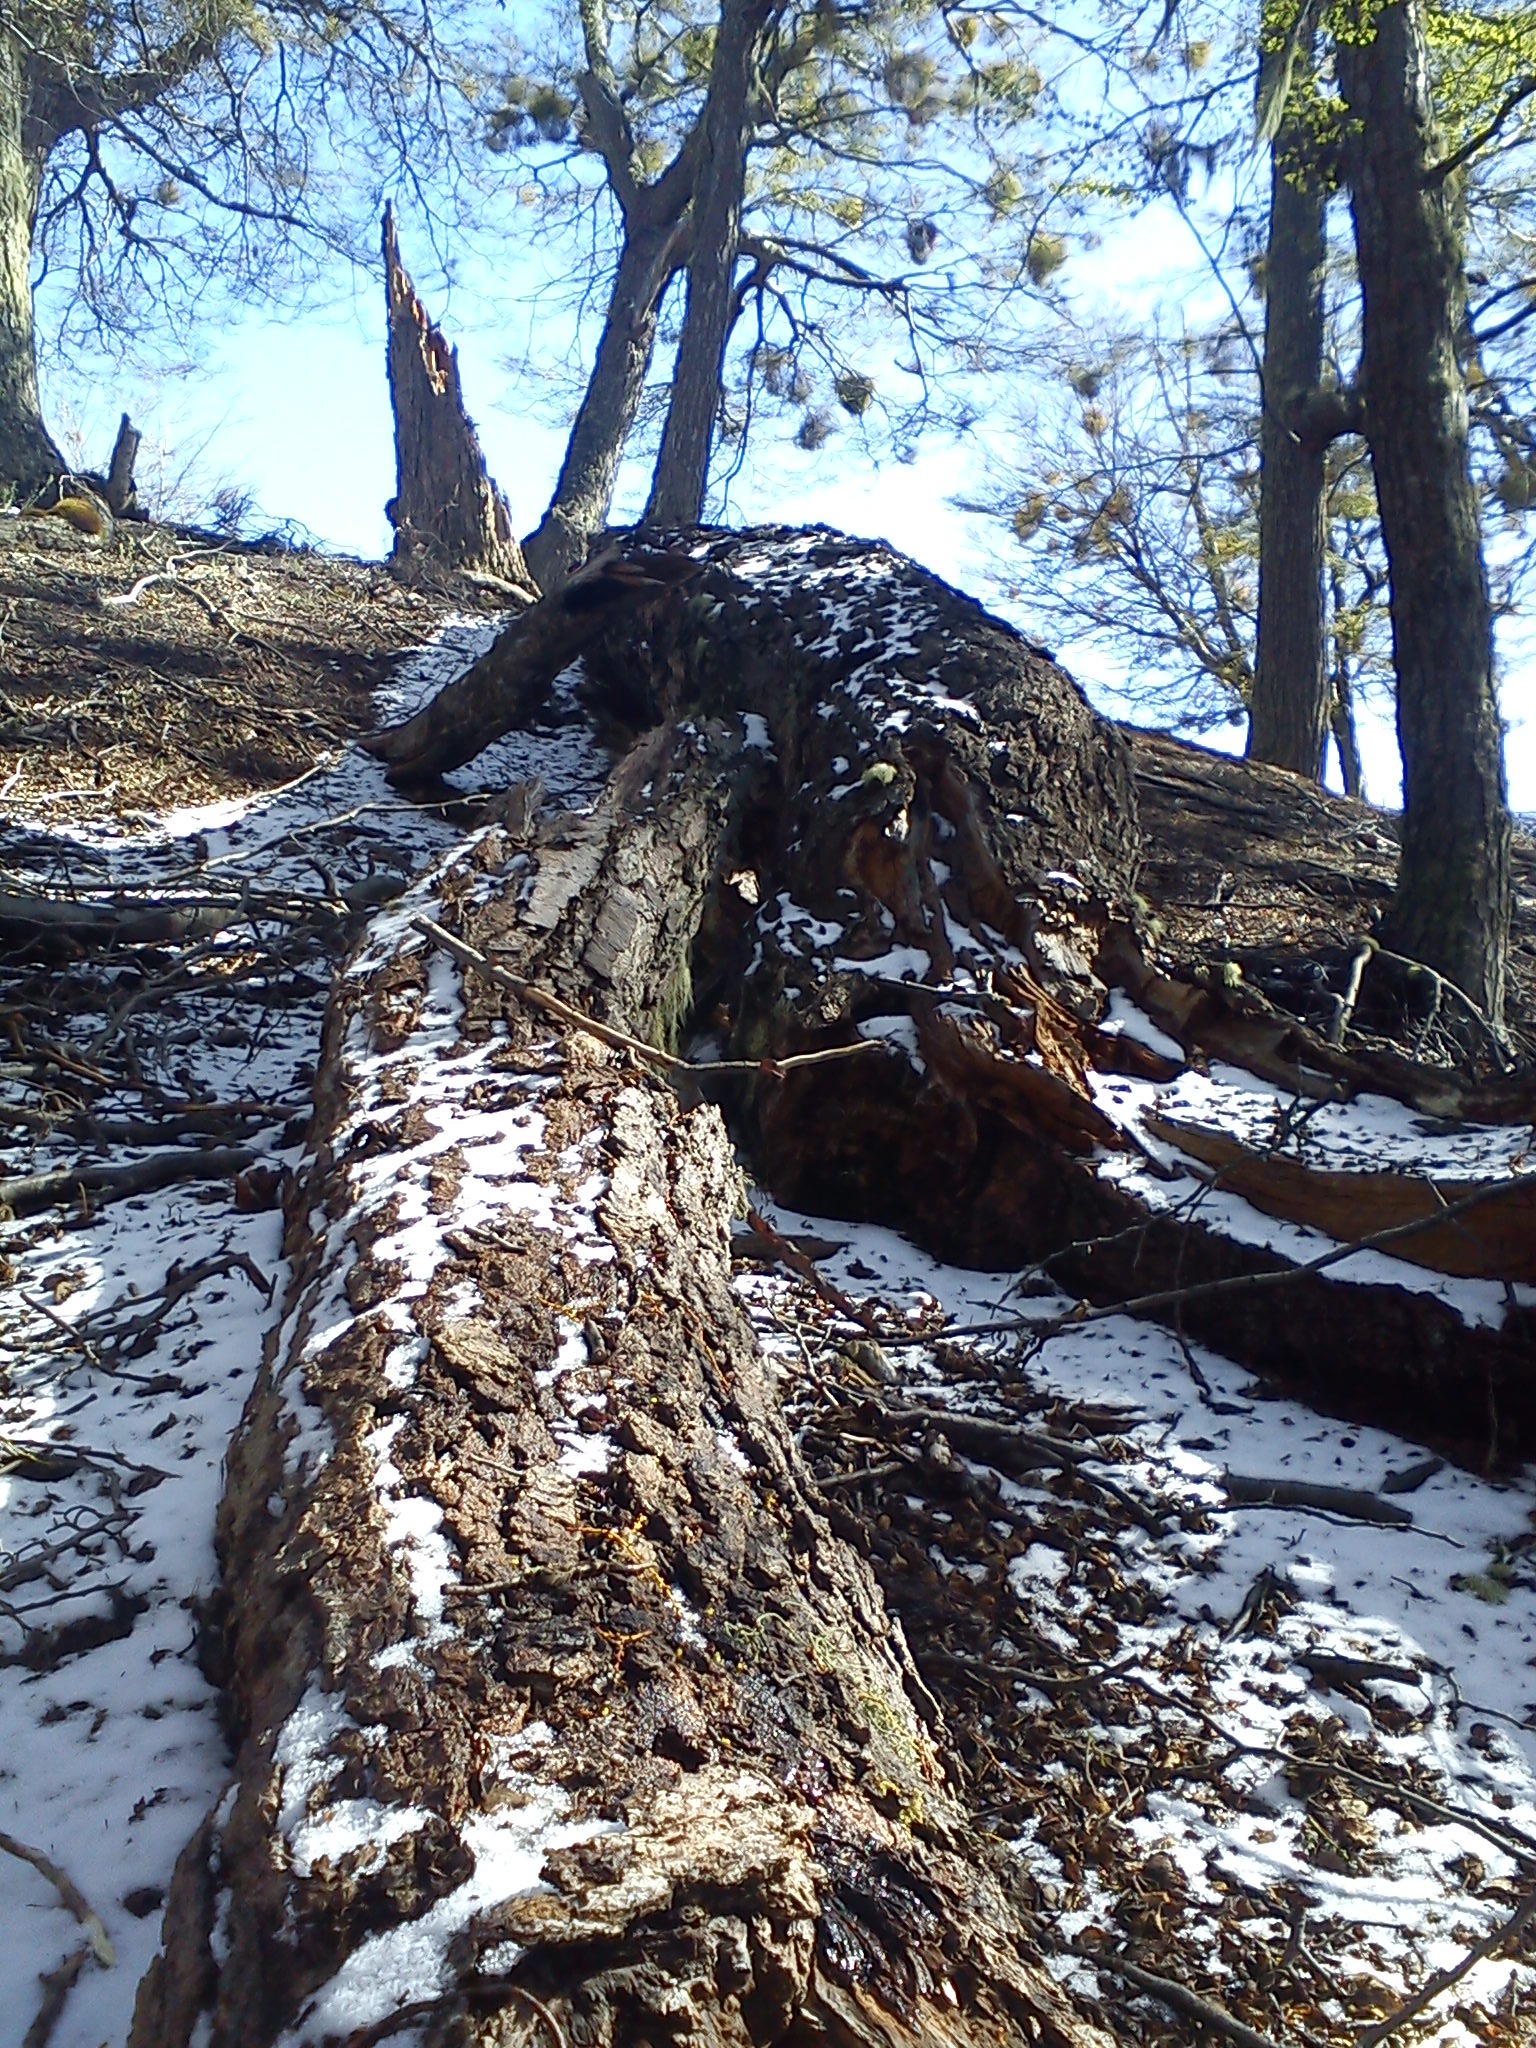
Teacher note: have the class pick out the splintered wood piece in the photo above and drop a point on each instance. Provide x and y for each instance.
(447, 512)
(1494, 1241)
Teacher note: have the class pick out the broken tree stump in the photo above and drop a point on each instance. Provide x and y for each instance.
(447, 512)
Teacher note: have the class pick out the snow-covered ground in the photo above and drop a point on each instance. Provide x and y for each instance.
(112, 1436)
(128, 1343)
(1430, 1626)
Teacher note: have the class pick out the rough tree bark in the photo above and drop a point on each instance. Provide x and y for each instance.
(1288, 716)
(655, 231)
(682, 467)
(447, 512)
(522, 1573)
(29, 459)
(1451, 908)
(649, 1668)
(578, 512)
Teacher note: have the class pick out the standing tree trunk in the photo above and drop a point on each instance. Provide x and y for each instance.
(682, 468)
(1289, 713)
(578, 512)
(29, 460)
(447, 512)
(1451, 909)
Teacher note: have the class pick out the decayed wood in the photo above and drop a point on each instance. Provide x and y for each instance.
(955, 799)
(1495, 1241)
(643, 1630)
(447, 512)
(121, 494)
(522, 1573)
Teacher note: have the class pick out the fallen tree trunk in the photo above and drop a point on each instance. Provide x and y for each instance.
(563, 1715)
(947, 864)
(509, 683)
(522, 1571)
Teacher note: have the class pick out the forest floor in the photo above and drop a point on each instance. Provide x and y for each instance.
(1287, 1753)
(161, 668)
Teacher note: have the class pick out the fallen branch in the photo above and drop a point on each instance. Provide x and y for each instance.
(57, 1985)
(145, 584)
(1443, 1980)
(107, 1342)
(1177, 1997)
(669, 1063)
(70, 1893)
(1353, 1502)
(25, 1196)
(1443, 985)
(1045, 1327)
(515, 674)
(1026, 1449)
(1344, 1005)
(790, 1254)
(146, 918)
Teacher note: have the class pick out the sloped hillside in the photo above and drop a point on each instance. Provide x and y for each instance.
(547, 1661)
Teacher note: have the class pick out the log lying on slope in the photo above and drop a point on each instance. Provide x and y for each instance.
(944, 858)
(522, 1571)
(524, 1584)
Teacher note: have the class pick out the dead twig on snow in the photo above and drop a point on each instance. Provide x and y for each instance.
(69, 1892)
(1443, 1980)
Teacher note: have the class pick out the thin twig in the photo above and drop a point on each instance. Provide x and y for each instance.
(1345, 1004)
(790, 1254)
(1444, 984)
(69, 1892)
(1177, 1997)
(57, 1985)
(567, 1013)
(1490, 1945)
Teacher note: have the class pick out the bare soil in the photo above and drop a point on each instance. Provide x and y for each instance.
(158, 667)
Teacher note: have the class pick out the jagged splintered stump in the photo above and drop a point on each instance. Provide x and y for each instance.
(447, 512)
(564, 1717)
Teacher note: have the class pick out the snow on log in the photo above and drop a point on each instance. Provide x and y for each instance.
(944, 860)
(562, 1713)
